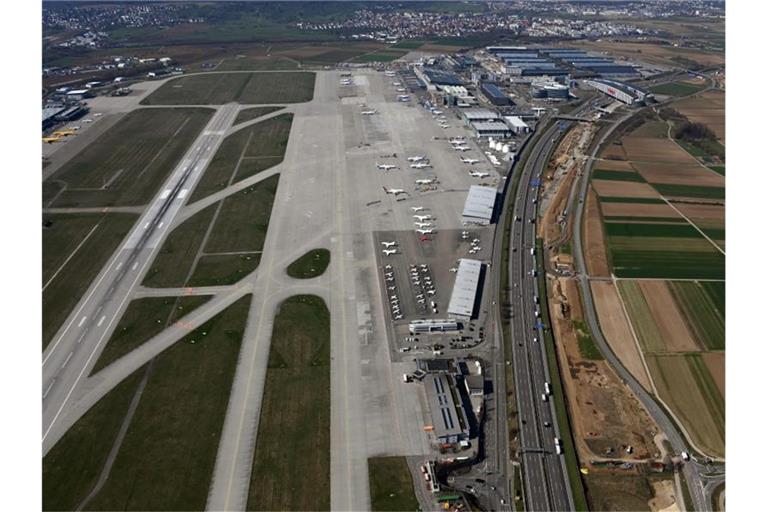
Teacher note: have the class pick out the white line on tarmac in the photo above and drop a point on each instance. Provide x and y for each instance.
(146, 225)
(159, 225)
(135, 265)
(67, 359)
(82, 320)
(81, 338)
(119, 265)
(48, 389)
(101, 321)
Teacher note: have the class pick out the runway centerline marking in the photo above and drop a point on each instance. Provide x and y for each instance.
(101, 320)
(82, 321)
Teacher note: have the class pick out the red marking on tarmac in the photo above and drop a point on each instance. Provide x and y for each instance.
(188, 291)
(186, 325)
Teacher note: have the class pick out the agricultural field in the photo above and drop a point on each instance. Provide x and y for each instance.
(677, 88)
(143, 319)
(126, 164)
(246, 88)
(162, 463)
(686, 385)
(311, 264)
(75, 248)
(246, 152)
(291, 463)
(391, 484)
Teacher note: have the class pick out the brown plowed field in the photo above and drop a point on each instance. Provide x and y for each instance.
(613, 152)
(703, 215)
(615, 327)
(707, 108)
(715, 362)
(594, 240)
(638, 210)
(613, 165)
(649, 149)
(682, 174)
(613, 188)
(668, 318)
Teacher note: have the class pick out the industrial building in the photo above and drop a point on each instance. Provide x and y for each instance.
(449, 422)
(478, 115)
(479, 206)
(623, 92)
(49, 115)
(495, 129)
(79, 94)
(465, 290)
(517, 125)
(432, 325)
(439, 77)
(548, 89)
(494, 94)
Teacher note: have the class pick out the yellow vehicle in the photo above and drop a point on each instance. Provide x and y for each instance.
(51, 140)
(64, 133)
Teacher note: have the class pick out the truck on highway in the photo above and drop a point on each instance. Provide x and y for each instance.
(537, 313)
(558, 446)
(544, 397)
(547, 388)
(533, 251)
(535, 299)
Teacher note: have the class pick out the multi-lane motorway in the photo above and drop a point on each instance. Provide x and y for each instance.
(75, 348)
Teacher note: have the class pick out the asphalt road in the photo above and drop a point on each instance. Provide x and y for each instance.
(77, 345)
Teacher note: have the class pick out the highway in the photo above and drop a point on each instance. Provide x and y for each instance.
(544, 472)
(76, 347)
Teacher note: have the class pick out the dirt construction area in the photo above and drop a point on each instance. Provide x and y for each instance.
(617, 330)
(594, 240)
(607, 418)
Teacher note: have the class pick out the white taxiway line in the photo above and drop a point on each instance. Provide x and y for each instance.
(101, 320)
(67, 359)
(48, 389)
(82, 321)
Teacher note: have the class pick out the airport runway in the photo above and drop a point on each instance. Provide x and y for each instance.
(76, 347)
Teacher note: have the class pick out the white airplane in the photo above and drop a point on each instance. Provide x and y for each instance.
(423, 224)
(401, 89)
(420, 165)
(422, 218)
(394, 191)
(453, 269)
(470, 161)
(386, 167)
(437, 112)
(427, 231)
(387, 252)
(416, 208)
(396, 84)
(478, 174)
(457, 140)
(425, 182)
(417, 158)
(389, 73)
(368, 112)
(403, 97)
(388, 244)
(461, 148)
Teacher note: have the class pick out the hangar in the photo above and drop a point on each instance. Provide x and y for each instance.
(479, 206)
(465, 289)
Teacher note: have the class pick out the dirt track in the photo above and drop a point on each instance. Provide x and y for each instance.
(594, 242)
(616, 329)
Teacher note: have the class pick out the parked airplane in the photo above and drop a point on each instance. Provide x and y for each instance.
(386, 167)
(417, 158)
(457, 140)
(420, 165)
(403, 97)
(425, 181)
(396, 84)
(389, 73)
(394, 191)
(51, 140)
(428, 231)
(478, 174)
(368, 112)
(64, 133)
(422, 218)
(388, 252)
(417, 208)
(461, 148)
(437, 112)
(401, 89)
(470, 161)
(423, 224)
(388, 244)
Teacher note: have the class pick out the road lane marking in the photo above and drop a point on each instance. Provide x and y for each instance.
(48, 389)
(67, 359)
(119, 265)
(165, 193)
(160, 225)
(82, 320)
(146, 225)
(81, 338)
(101, 321)
(135, 265)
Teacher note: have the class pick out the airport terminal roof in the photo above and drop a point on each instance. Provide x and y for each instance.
(440, 77)
(465, 288)
(472, 114)
(445, 417)
(484, 126)
(515, 121)
(480, 201)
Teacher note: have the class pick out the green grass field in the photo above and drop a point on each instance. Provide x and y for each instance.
(587, 346)
(167, 457)
(719, 169)
(690, 191)
(391, 484)
(245, 88)
(617, 492)
(634, 230)
(311, 264)
(702, 314)
(379, 57)
(176, 256)
(143, 319)
(409, 44)
(243, 220)
(640, 315)
(60, 239)
(247, 114)
(127, 164)
(244, 153)
(291, 464)
(257, 64)
(638, 200)
(601, 174)
(223, 269)
(72, 467)
(676, 89)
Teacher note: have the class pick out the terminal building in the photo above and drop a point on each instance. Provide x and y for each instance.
(492, 129)
(465, 295)
(622, 91)
(432, 325)
(449, 421)
(479, 206)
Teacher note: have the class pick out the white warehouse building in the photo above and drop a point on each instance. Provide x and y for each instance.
(623, 92)
(479, 206)
(517, 125)
(465, 289)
